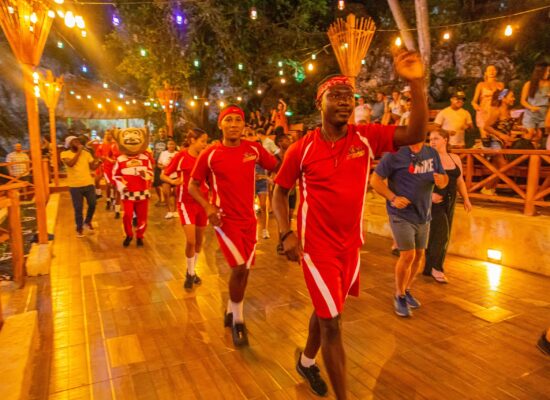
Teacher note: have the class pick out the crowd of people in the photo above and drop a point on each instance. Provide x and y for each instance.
(257, 167)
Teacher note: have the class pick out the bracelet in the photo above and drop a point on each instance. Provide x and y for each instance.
(285, 235)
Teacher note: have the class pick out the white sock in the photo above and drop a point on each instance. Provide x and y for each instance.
(191, 266)
(117, 208)
(237, 310)
(229, 306)
(306, 362)
(196, 258)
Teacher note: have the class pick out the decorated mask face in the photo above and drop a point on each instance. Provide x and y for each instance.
(131, 141)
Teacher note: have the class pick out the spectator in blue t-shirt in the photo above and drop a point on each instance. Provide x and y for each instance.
(411, 173)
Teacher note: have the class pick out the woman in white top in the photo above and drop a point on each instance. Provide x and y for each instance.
(168, 189)
(483, 95)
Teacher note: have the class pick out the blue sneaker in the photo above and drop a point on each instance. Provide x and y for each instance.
(401, 307)
(411, 301)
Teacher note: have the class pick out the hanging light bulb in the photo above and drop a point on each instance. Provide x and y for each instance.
(11, 9)
(206, 103)
(60, 45)
(143, 52)
(310, 67)
(108, 100)
(240, 66)
(314, 56)
(105, 85)
(239, 99)
(78, 97)
(127, 102)
(34, 18)
(60, 13)
(508, 31)
(196, 63)
(283, 81)
(179, 19)
(119, 108)
(59, 1)
(84, 33)
(253, 13)
(398, 42)
(79, 21)
(88, 97)
(35, 77)
(84, 69)
(37, 91)
(281, 72)
(222, 104)
(259, 91)
(192, 103)
(196, 97)
(116, 20)
(341, 4)
(51, 13)
(363, 61)
(69, 19)
(250, 83)
(121, 95)
(222, 91)
(100, 106)
(280, 64)
(446, 36)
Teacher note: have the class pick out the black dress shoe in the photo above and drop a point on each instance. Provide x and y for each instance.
(139, 242)
(197, 280)
(189, 279)
(108, 205)
(127, 241)
(313, 377)
(240, 336)
(117, 215)
(228, 319)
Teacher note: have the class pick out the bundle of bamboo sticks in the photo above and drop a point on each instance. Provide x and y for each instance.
(350, 40)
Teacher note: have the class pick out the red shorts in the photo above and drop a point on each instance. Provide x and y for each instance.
(237, 242)
(108, 174)
(192, 214)
(99, 170)
(330, 279)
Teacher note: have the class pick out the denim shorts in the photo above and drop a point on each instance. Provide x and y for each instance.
(409, 236)
(261, 186)
(533, 120)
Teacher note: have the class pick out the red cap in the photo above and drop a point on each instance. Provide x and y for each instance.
(232, 109)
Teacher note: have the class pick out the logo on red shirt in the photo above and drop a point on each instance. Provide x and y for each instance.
(355, 152)
(249, 157)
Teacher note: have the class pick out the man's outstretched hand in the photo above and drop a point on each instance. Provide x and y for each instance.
(408, 65)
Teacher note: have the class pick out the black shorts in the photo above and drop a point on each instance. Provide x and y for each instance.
(292, 201)
(156, 180)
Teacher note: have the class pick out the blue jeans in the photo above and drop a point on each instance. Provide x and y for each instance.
(77, 195)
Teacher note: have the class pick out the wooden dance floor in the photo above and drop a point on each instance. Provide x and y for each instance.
(120, 325)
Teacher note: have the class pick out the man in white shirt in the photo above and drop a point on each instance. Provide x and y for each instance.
(455, 119)
(362, 112)
(267, 142)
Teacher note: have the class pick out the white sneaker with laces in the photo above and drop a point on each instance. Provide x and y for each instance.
(169, 215)
(265, 234)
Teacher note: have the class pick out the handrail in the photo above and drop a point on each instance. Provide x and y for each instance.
(479, 171)
(10, 200)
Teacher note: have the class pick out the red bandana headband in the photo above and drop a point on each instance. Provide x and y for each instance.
(230, 110)
(334, 81)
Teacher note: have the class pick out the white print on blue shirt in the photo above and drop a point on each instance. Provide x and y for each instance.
(424, 166)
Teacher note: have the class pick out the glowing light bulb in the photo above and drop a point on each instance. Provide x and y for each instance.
(314, 56)
(446, 36)
(84, 33)
(259, 91)
(79, 21)
(35, 76)
(37, 91)
(250, 83)
(119, 108)
(108, 100)
(69, 19)
(71, 92)
(196, 63)
(341, 4)
(240, 66)
(143, 52)
(60, 45)
(222, 91)
(60, 13)
(120, 95)
(206, 103)
(310, 67)
(78, 97)
(508, 31)
(239, 98)
(116, 20)
(88, 97)
(283, 81)
(84, 69)
(179, 19)
(281, 72)
(346, 45)
(11, 10)
(134, 101)
(105, 85)
(363, 62)
(100, 106)
(59, 1)
(51, 13)
(280, 64)
(253, 13)
(222, 104)
(34, 18)
(398, 42)
(192, 103)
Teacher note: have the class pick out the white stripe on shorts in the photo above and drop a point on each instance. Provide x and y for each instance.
(321, 285)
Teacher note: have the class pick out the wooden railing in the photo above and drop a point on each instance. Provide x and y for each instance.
(528, 176)
(9, 198)
(29, 185)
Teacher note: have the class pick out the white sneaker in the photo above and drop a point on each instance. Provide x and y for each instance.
(439, 276)
(265, 234)
(169, 215)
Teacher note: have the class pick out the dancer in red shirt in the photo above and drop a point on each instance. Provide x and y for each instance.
(332, 164)
(230, 168)
(192, 215)
(133, 174)
(108, 152)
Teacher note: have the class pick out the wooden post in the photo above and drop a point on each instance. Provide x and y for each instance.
(1, 316)
(16, 237)
(533, 174)
(469, 171)
(53, 141)
(36, 153)
(169, 124)
(46, 170)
